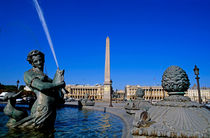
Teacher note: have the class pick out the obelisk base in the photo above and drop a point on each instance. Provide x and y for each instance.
(107, 92)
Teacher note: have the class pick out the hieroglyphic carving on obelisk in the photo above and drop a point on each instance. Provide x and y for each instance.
(107, 80)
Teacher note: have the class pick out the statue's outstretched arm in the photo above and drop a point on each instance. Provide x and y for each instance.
(42, 86)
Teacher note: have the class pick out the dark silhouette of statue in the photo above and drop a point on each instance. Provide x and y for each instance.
(48, 94)
(86, 101)
(132, 106)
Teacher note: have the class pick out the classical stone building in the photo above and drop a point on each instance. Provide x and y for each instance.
(121, 95)
(193, 94)
(79, 91)
(130, 91)
(155, 93)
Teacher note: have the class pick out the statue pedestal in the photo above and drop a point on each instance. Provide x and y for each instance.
(175, 116)
(132, 107)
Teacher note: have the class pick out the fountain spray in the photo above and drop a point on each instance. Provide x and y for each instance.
(44, 25)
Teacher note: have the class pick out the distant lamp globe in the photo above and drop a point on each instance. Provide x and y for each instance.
(196, 70)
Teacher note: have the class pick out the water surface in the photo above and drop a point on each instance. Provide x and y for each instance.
(73, 122)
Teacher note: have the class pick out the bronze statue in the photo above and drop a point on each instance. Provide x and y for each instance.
(48, 93)
(86, 101)
(132, 106)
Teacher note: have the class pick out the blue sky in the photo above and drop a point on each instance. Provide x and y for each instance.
(146, 37)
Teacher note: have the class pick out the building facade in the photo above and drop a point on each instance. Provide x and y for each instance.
(79, 91)
(155, 93)
(120, 95)
(193, 94)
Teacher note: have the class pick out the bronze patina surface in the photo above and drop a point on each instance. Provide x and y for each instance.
(48, 94)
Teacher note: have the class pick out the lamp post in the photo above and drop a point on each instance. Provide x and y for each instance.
(196, 70)
(17, 84)
(110, 104)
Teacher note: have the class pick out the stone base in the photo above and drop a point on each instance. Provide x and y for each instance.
(106, 101)
(172, 118)
(132, 107)
(107, 92)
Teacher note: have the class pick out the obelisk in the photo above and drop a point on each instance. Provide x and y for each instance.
(107, 80)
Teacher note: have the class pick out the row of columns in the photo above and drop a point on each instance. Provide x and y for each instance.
(80, 93)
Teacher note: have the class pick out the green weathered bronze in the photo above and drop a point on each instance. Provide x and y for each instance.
(140, 93)
(86, 101)
(132, 106)
(175, 81)
(48, 94)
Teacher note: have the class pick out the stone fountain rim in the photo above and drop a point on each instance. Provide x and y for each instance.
(126, 130)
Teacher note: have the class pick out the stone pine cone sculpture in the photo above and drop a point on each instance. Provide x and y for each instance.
(175, 80)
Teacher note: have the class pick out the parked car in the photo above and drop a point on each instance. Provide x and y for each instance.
(2, 95)
(69, 99)
(19, 100)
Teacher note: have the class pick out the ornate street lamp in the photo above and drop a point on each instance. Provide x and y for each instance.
(110, 104)
(17, 84)
(196, 70)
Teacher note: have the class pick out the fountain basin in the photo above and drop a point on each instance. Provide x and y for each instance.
(73, 122)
